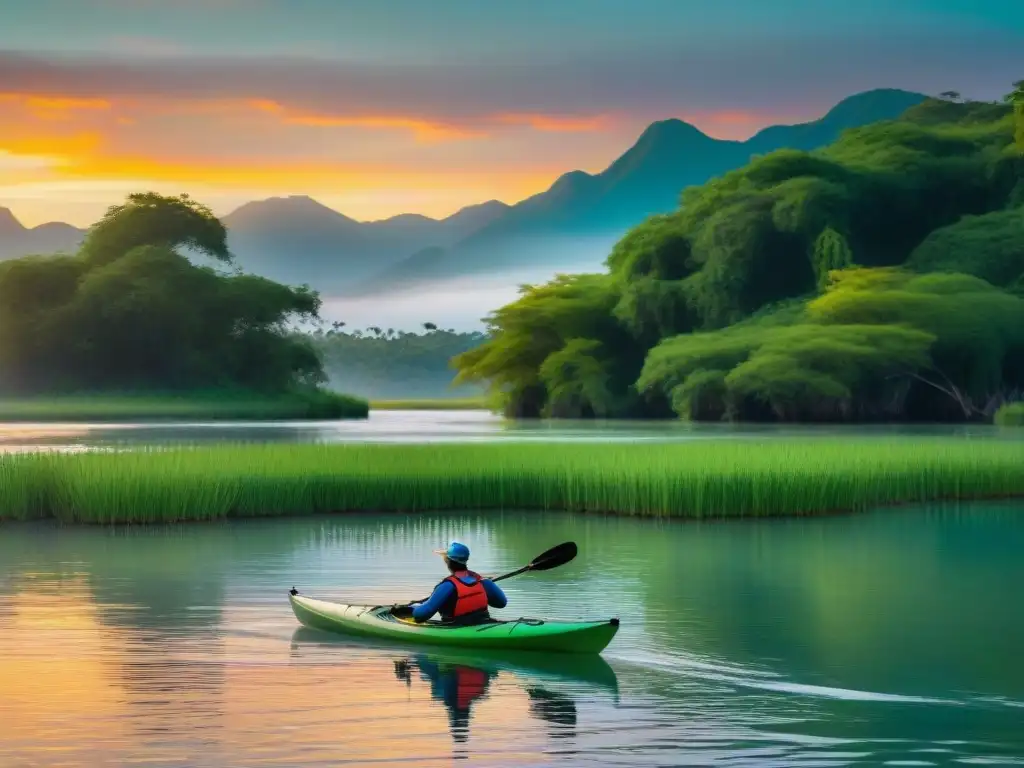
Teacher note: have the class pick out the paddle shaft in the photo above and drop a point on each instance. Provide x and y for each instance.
(524, 569)
(509, 575)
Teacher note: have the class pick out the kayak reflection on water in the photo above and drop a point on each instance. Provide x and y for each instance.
(455, 685)
(459, 685)
(555, 709)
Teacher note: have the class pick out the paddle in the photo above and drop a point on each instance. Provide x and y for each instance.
(552, 558)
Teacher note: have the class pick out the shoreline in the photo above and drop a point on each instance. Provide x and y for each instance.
(430, 404)
(224, 406)
(711, 480)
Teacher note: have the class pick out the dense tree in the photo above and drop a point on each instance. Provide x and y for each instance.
(705, 311)
(547, 320)
(990, 246)
(1016, 99)
(35, 292)
(977, 356)
(131, 312)
(831, 252)
(147, 218)
(874, 338)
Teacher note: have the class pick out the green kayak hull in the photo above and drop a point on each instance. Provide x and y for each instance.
(515, 635)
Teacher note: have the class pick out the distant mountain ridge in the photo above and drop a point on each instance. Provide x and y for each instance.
(19, 240)
(298, 240)
(647, 179)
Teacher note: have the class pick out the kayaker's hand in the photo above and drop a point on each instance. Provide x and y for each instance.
(401, 611)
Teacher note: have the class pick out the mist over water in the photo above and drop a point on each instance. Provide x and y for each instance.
(459, 303)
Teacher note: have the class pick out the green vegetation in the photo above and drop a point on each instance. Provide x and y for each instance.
(1010, 415)
(878, 279)
(707, 479)
(433, 404)
(395, 365)
(1016, 99)
(216, 405)
(130, 313)
(875, 332)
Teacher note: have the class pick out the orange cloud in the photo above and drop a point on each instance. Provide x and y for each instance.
(47, 102)
(55, 148)
(72, 155)
(736, 118)
(734, 124)
(555, 123)
(424, 130)
(54, 107)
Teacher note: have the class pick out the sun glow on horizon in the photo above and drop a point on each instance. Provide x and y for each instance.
(67, 157)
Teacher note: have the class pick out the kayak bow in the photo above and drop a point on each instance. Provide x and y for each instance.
(518, 634)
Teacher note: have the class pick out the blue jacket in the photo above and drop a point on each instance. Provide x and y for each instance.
(446, 590)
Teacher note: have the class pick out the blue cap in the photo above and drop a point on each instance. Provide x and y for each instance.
(456, 552)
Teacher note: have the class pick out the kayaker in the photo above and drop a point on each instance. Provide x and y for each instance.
(464, 596)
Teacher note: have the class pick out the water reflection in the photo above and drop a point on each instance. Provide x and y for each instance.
(863, 639)
(432, 426)
(456, 686)
(459, 679)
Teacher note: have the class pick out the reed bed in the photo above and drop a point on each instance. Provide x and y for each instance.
(705, 479)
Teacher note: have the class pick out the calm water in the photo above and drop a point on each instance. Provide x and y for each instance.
(423, 426)
(890, 638)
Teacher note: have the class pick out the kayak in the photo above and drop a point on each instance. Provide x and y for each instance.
(514, 635)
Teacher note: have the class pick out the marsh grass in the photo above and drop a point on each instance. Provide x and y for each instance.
(727, 478)
(208, 406)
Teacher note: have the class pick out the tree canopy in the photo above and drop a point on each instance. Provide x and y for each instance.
(131, 312)
(1016, 98)
(805, 285)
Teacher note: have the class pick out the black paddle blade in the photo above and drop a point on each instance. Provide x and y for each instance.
(554, 557)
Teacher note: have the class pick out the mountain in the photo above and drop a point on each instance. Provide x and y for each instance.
(19, 240)
(293, 239)
(570, 226)
(581, 216)
(298, 240)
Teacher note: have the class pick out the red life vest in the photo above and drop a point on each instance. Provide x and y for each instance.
(469, 598)
(470, 685)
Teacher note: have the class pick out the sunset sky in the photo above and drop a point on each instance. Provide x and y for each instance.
(378, 108)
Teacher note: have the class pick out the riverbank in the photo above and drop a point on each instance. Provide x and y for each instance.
(431, 404)
(202, 406)
(700, 479)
